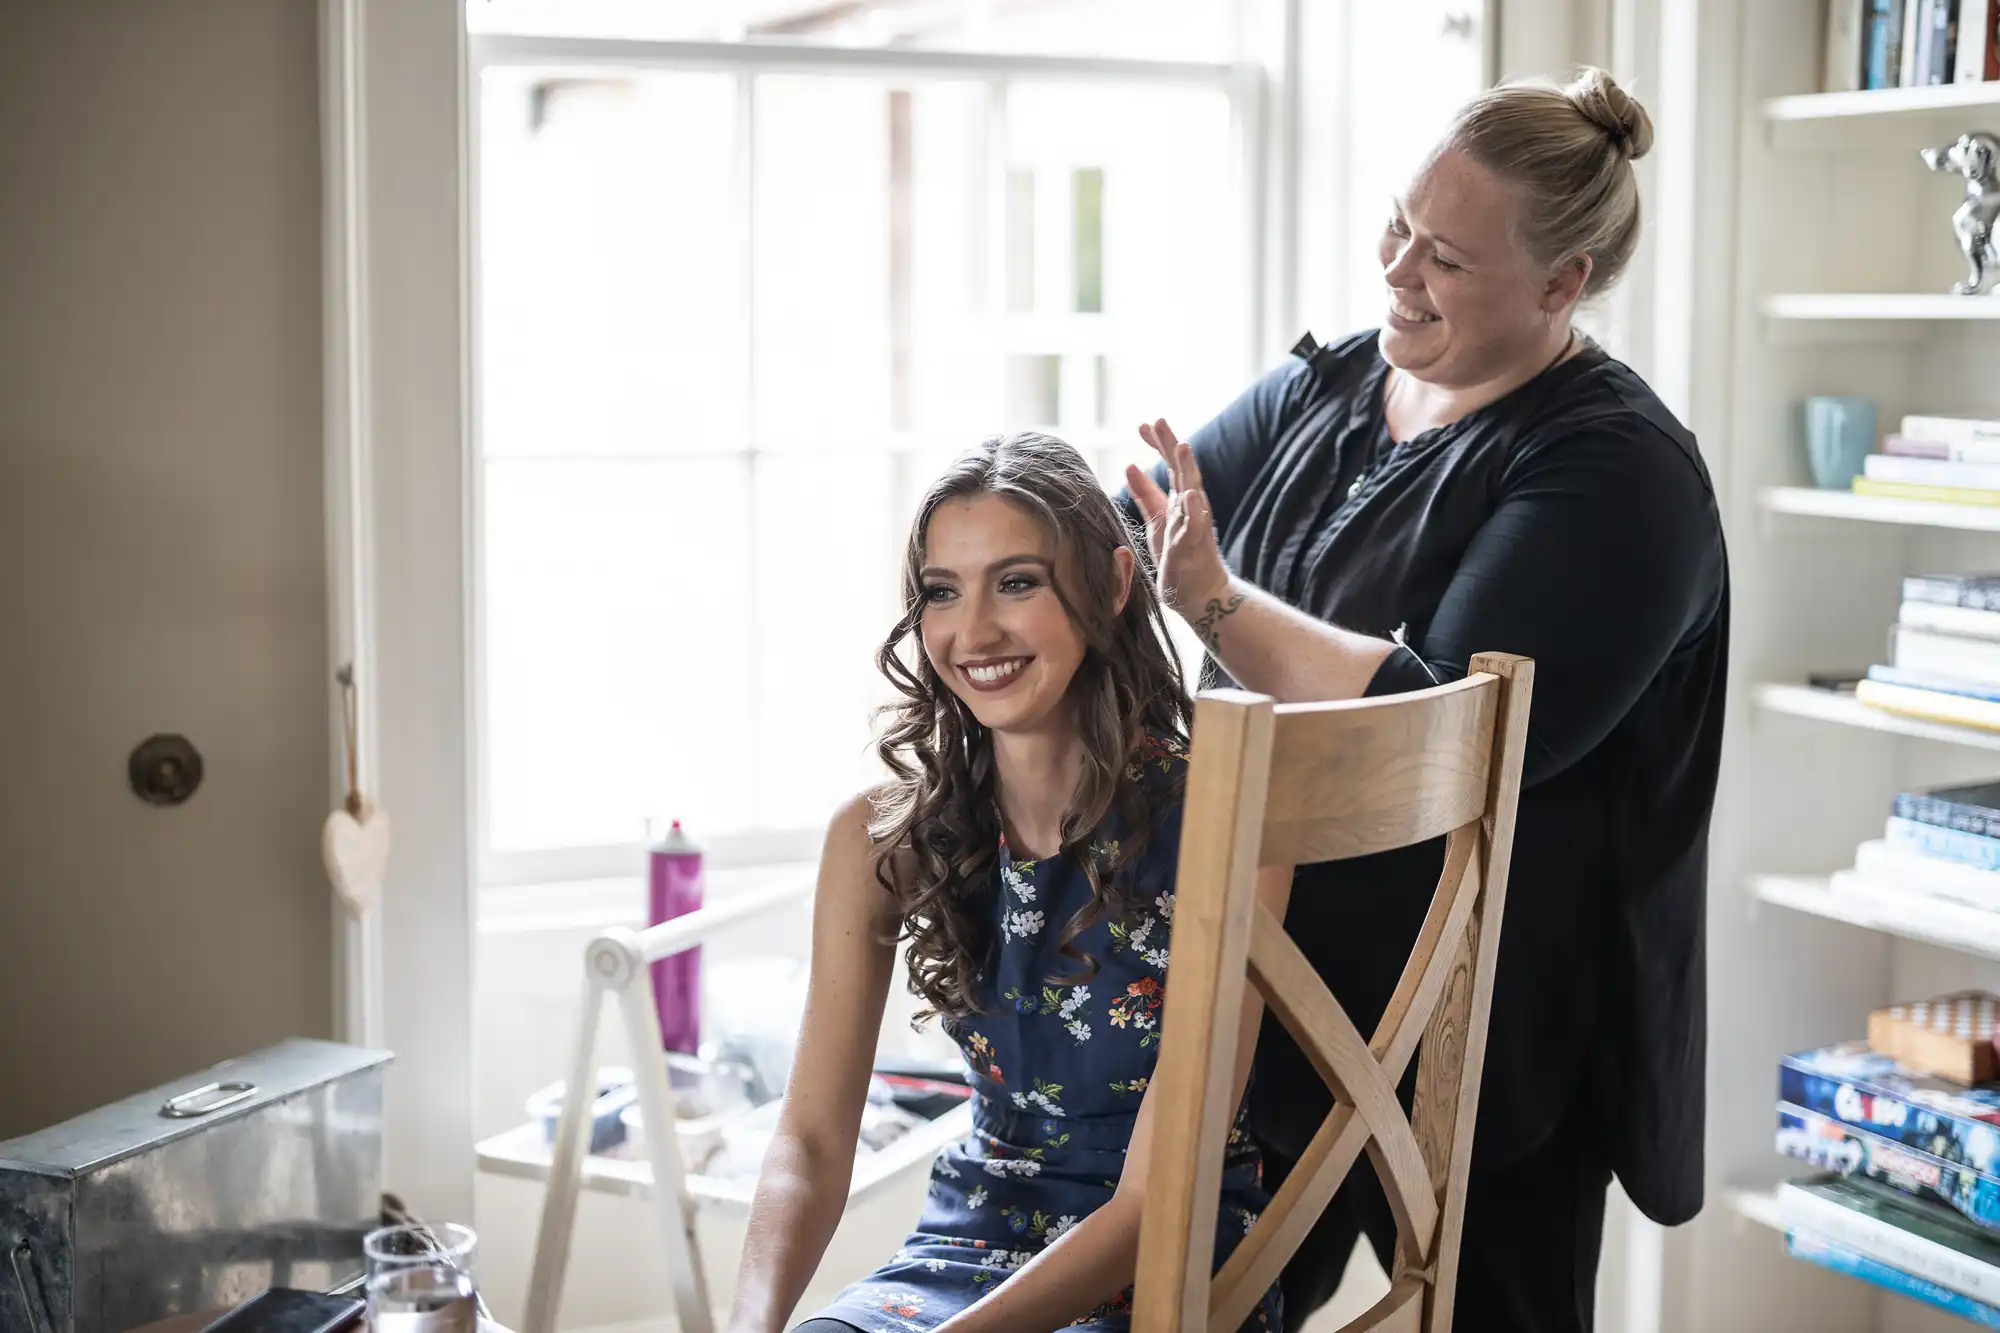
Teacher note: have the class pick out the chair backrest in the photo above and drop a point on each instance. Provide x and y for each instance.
(1279, 784)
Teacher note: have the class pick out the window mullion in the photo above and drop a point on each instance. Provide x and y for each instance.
(746, 229)
(992, 253)
(1248, 109)
(745, 203)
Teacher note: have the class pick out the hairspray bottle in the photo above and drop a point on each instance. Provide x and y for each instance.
(673, 879)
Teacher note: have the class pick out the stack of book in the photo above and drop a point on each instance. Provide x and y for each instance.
(1944, 655)
(1910, 43)
(1952, 460)
(1907, 1196)
(1936, 869)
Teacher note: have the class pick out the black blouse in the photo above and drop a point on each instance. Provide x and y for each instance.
(1573, 522)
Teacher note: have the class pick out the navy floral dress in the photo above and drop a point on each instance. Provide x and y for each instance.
(1057, 1072)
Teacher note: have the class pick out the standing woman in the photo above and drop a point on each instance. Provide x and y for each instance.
(1477, 476)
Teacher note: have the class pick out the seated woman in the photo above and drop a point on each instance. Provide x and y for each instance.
(1024, 849)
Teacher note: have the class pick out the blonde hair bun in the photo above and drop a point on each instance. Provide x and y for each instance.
(1599, 99)
(1569, 148)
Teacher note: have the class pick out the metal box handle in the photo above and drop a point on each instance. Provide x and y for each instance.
(183, 1107)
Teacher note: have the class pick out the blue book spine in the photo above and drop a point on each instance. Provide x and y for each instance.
(1841, 1259)
(1947, 844)
(1876, 70)
(1932, 681)
(1940, 813)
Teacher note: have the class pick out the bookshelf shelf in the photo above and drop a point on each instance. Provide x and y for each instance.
(1881, 102)
(1948, 925)
(1824, 706)
(1811, 502)
(1755, 1205)
(1879, 306)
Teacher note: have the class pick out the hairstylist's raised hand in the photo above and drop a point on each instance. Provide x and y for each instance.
(1180, 528)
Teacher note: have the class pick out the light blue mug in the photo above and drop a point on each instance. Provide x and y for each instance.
(1840, 434)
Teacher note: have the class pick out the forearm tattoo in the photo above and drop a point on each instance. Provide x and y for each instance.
(1208, 625)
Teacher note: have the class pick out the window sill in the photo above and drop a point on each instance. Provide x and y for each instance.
(593, 904)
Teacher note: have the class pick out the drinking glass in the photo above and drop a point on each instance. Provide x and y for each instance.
(420, 1279)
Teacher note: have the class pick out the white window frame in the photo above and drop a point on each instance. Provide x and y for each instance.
(1245, 83)
(401, 460)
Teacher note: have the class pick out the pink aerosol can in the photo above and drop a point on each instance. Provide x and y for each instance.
(673, 887)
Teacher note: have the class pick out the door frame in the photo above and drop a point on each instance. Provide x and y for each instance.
(397, 462)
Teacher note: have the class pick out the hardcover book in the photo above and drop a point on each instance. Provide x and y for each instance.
(1926, 705)
(1918, 1238)
(1845, 1259)
(1978, 591)
(1971, 808)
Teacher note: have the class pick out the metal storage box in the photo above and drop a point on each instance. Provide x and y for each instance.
(261, 1171)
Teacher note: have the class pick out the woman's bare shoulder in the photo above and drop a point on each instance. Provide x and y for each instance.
(853, 837)
(854, 820)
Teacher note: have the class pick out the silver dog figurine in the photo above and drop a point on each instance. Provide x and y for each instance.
(1976, 157)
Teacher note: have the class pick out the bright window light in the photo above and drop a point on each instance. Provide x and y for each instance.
(733, 317)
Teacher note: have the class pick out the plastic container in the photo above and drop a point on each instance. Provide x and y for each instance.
(615, 1092)
(699, 1138)
(755, 1006)
(707, 1095)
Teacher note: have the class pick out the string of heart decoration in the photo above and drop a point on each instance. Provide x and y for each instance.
(354, 844)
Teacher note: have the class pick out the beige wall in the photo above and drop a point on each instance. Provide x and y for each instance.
(161, 541)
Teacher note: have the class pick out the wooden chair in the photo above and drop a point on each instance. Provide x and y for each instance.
(1297, 783)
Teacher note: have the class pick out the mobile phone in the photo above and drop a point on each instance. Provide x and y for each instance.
(290, 1310)
(1839, 682)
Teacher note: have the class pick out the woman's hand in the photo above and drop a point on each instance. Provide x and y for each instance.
(1180, 528)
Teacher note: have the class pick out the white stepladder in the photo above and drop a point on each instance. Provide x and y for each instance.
(618, 961)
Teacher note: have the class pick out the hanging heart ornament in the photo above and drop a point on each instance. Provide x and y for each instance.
(354, 844)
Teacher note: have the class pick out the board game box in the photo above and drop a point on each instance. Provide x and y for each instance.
(1827, 1143)
(1869, 1091)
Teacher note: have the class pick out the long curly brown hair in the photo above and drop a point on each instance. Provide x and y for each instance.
(936, 825)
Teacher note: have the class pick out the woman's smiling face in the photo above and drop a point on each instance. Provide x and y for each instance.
(1464, 296)
(993, 627)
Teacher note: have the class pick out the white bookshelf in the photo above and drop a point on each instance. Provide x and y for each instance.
(1847, 711)
(1880, 306)
(1937, 922)
(1881, 102)
(1811, 502)
(1839, 262)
